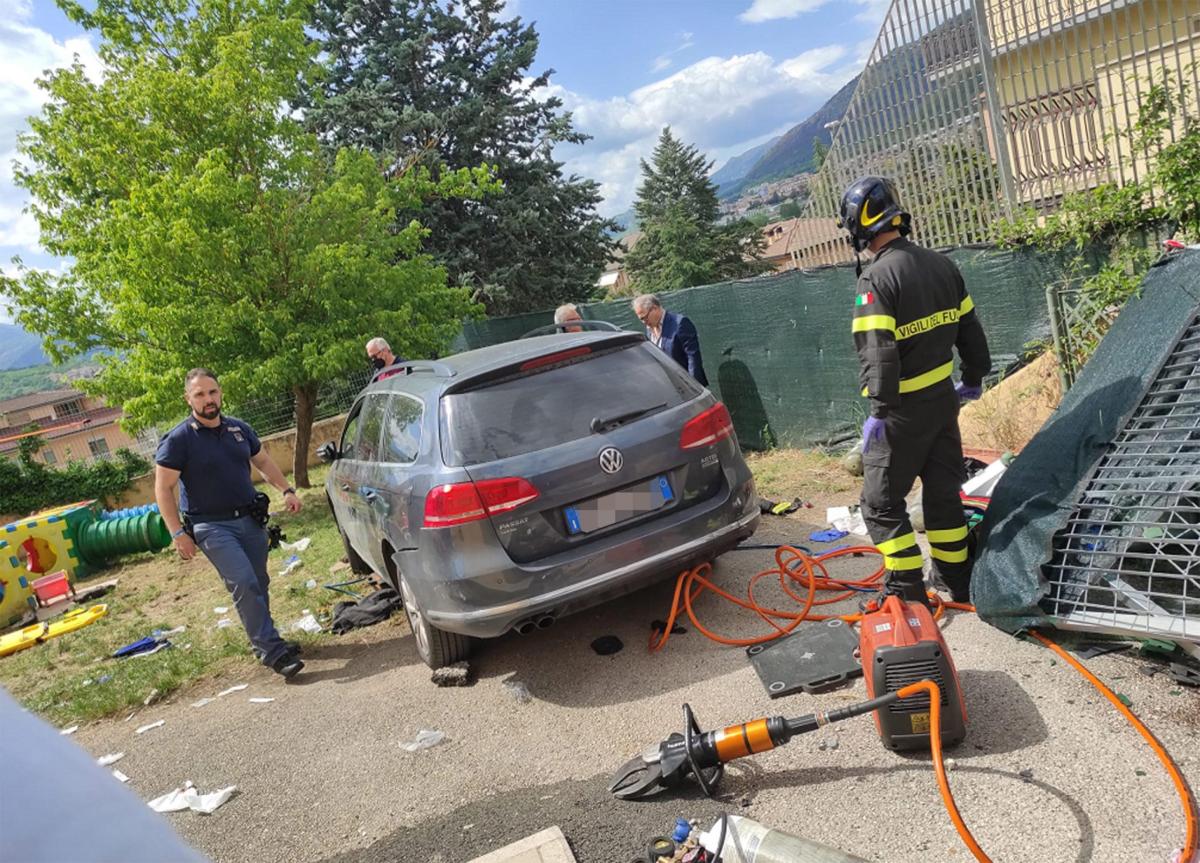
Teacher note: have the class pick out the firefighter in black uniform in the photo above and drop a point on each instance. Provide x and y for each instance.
(912, 310)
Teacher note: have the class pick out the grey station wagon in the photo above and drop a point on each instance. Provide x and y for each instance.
(502, 488)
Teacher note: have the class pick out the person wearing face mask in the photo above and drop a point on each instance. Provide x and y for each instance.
(379, 352)
(911, 313)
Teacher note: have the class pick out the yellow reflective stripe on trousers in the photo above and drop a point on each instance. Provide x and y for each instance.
(950, 534)
(957, 556)
(965, 306)
(891, 546)
(874, 322)
(899, 564)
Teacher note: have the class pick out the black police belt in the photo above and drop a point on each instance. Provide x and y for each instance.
(257, 508)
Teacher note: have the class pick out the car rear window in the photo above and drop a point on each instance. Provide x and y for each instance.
(553, 405)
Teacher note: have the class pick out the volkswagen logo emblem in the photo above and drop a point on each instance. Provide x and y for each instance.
(611, 459)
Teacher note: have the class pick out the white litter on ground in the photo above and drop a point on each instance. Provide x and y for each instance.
(299, 545)
(238, 687)
(846, 518)
(221, 609)
(202, 702)
(112, 758)
(162, 645)
(311, 583)
(307, 623)
(119, 776)
(188, 797)
(143, 729)
(261, 700)
(293, 564)
(224, 622)
(69, 731)
(519, 691)
(426, 738)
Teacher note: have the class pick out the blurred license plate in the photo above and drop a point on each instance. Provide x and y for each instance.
(617, 506)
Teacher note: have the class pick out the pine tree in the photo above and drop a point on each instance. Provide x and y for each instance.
(681, 243)
(447, 84)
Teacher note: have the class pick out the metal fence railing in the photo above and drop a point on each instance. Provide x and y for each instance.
(980, 108)
(1078, 321)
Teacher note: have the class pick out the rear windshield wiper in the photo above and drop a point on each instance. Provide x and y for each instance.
(603, 425)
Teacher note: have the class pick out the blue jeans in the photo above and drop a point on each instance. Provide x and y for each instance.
(238, 549)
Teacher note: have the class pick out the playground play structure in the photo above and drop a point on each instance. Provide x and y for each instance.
(72, 540)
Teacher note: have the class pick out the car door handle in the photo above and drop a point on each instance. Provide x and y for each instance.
(369, 494)
(345, 486)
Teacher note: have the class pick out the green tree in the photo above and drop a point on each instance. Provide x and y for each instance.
(791, 209)
(451, 79)
(681, 243)
(206, 226)
(819, 151)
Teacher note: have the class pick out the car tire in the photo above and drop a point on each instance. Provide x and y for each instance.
(358, 566)
(436, 647)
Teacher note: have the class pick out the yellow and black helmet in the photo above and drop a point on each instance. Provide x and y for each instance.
(871, 206)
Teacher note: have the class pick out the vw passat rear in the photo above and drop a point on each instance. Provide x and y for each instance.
(551, 474)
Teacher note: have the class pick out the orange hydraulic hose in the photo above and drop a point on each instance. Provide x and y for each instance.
(790, 560)
(1191, 840)
(939, 767)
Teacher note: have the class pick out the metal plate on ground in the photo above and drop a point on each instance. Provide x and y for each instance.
(813, 658)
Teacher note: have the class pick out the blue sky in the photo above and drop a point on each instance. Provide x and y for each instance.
(724, 74)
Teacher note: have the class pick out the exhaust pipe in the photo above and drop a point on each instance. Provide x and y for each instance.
(525, 627)
(545, 621)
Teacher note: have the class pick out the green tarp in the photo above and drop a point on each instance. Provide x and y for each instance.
(778, 350)
(1037, 495)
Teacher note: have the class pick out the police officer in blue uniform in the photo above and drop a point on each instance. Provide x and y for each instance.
(209, 456)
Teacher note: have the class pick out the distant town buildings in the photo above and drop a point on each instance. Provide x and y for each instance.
(73, 426)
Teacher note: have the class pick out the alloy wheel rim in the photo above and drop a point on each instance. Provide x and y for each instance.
(416, 621)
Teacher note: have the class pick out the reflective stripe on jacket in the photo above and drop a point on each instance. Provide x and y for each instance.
(911, 312)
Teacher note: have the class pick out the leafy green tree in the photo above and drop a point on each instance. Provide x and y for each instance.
(451, 80)
(205, 224)
(791, 209)
(681, 243)
(819, 151)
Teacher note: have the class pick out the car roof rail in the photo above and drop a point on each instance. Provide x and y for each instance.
(604, 326)
(413, 367)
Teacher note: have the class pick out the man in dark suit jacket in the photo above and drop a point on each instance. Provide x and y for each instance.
(673, 333)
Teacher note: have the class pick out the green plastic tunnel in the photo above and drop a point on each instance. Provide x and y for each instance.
(101, 541)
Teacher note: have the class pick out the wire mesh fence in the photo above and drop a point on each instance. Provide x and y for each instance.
(979, 108)
(1078, 321)
(1129, 557)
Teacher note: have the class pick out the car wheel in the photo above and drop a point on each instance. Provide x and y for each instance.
(436, 647)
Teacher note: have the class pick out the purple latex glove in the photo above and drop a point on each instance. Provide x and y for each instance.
(872, 431)
(968, 393)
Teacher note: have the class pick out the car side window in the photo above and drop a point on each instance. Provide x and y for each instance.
(402, 430)
(348, 447)
(372, 427)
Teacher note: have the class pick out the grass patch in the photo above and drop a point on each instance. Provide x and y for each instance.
(73, 679)
(784, 474)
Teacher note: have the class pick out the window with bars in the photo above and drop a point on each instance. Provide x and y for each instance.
(1055, 137)
(98, 447)
(1129, 556)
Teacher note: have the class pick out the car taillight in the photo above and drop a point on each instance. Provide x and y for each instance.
(707, 428)
(462, 502)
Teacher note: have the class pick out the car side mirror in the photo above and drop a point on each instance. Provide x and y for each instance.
(328, 452)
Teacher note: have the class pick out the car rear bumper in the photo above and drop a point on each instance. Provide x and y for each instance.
(494, 620)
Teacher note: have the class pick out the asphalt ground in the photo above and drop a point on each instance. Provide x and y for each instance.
(1049, 770)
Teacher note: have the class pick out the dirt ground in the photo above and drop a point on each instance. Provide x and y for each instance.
(1049, 770)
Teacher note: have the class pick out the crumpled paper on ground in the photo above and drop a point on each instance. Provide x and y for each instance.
(307, 623)
(188, 797)
(300, 545)
(846, 518)
(426, 739)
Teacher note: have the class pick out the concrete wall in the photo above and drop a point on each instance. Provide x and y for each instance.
(281, 447)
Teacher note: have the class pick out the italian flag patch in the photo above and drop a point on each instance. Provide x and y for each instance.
(864, 299)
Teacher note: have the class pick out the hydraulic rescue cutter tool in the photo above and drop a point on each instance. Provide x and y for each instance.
(900, 647)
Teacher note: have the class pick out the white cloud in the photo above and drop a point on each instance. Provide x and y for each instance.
(770, 10)
(723, 105)
(664, 61)
(26, 53)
